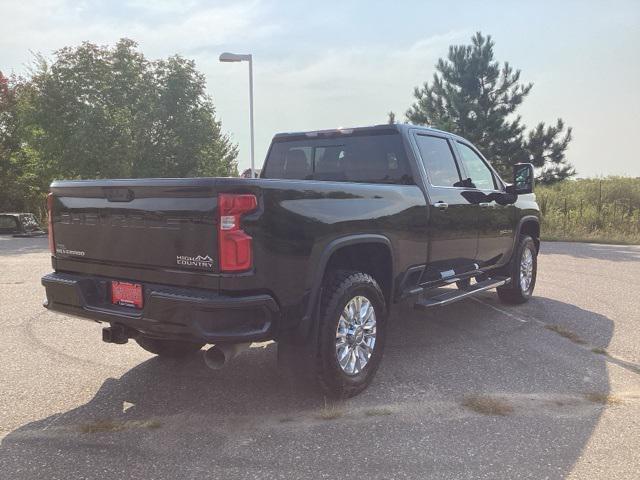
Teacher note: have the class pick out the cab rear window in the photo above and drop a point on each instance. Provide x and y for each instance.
(367, 158)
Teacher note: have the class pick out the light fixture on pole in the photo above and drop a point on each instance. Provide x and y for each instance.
(234, 57)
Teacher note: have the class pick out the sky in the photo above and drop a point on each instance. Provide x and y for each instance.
(326, 64)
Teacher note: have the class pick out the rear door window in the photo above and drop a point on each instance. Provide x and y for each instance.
(438, 161)
(362, 157)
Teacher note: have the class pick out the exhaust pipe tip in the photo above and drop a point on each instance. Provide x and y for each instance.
(214, 358)
(218, 356)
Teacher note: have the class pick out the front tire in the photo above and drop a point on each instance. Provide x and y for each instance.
(523, 270)
(168, 348)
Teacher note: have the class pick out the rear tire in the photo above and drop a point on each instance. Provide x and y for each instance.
(523, 270)
(350, 339)
(352, 333)
(168, 348)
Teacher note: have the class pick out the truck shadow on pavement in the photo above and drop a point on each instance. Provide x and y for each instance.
(170, 419)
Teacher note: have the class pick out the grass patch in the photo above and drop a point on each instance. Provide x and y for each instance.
(104, 426)
(593, 210)
(152, 424)
(378, 412)
(487, 405)
(600, 351)
(330, 412)
(603, 398)
(568, 334)
(101, 426)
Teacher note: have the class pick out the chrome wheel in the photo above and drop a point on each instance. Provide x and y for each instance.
(526, 269)
(356, 335)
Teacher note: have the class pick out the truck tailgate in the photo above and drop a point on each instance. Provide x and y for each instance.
(167, 224)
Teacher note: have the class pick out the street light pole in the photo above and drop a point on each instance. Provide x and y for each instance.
(253, 165)
(234, 57)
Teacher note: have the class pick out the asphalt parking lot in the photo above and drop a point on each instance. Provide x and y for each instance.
(550, 389)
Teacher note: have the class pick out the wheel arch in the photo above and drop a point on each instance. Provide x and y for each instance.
(349, 252)
(529, 225)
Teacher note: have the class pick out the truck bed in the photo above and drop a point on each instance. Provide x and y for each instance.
(165, 231)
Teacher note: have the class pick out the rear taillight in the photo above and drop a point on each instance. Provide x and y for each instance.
(52, 245)
(235, 250)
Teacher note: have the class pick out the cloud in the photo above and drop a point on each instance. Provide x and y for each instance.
(315, 85)
(373, 77)
(161, 27)
(351, 86)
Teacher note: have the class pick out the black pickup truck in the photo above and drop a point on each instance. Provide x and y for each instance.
(341, 225)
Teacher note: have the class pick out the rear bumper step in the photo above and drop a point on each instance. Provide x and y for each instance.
(455, 295)
(169, 312)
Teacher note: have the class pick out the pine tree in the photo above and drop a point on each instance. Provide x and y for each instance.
(475, 97)
(391, 118)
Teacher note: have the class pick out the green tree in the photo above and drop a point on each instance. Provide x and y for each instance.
(101, 112)
(475, 97)
(9, 144)
(18, 183)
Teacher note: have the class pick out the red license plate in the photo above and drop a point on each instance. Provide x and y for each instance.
(127, 294)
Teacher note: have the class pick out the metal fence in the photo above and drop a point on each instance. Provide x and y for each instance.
(599, 213)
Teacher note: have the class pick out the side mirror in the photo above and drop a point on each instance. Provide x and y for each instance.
(522, 179)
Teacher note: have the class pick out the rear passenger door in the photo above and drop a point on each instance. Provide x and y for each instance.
(452, 221)
(495, 221)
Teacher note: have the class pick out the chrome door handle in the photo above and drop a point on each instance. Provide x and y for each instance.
(441, 205)
(485, 205)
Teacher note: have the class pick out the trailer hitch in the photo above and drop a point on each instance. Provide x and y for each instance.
(118, 334)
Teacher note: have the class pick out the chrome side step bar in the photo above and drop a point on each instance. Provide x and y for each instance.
(455, 295)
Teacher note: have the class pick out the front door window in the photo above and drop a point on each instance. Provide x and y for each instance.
(480, 174)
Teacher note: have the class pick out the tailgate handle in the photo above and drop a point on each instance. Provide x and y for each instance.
(118, 194)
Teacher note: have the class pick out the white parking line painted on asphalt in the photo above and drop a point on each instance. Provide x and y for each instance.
(504, 312)
(630, 366)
